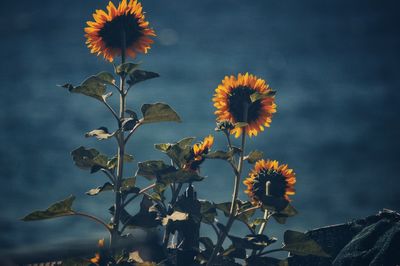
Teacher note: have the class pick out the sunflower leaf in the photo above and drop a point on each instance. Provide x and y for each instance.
(178, 152)
(89, 159)
(58, 209)
(95, 191)
(180, 176)
(125, 69)
(101, 133)
(93, 86)
(281, 216)
(300, 244)
(153, 169)
(159, 112)
(106, 77)
(208, 211)
(254, 156)
(141, 75)
(112, 163)
(223, 155)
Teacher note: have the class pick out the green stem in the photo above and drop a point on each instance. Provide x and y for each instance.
(121, 152)
(264, 224)
(232, 213)
(93, 218)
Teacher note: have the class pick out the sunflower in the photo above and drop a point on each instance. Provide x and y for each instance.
(233, 102)
(270, 184)
(106, 34)
(197, 153)
(97, 259)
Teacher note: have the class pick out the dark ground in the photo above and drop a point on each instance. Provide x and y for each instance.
(333, 63)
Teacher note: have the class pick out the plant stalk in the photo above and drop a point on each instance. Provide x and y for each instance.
(232, 213)
(121, 151)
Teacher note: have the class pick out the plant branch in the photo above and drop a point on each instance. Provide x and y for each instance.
(136, 195)
(232, 213)
(271, 251)
(93, 218)
(111, 110)
(109, 174)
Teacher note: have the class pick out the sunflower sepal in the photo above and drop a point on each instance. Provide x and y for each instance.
(256, 96)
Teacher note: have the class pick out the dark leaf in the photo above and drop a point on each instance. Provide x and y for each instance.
(100, 133)
(180, 176)
(141, 75)
(256, 242)
(93, 86)
(125, 69)
(221, 227)
(112, 163)
(58, 209)
(132, 114)
(106, 77)
(178, 152)
(129, 123)
(106, 187)
(281, 216)
(89, 159)
(145, 218)
(154, 169)
(207, 242)
(159, 112)
(235, 252)
(128, 185)
(207, 211)
(224, 155)
(254, 156)
(267, 261)
(300, 244)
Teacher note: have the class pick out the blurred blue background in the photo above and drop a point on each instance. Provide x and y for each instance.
(334, 65)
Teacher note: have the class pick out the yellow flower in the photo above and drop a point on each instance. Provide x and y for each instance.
(197, 153)
(270, 184)
(233, 103)
(105, 34)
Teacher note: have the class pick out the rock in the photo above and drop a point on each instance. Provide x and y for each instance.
(373, 241)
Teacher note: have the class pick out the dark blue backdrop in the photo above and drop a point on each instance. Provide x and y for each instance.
(333, 63)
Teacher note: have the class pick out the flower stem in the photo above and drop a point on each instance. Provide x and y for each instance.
(232, 213)
(121, 153)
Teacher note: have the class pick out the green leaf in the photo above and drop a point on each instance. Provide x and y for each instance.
(159, 112)
(180, 176)
(132, 114)
(153, 169)
(256, 242)
(267, 261)
(93, 87)
(101, 133)
(58, 209)
(112, 163)
(257, 222)
(89, 159)
(235, 252)
(106, 77)
(281, 216)
(125, 69)
(207, 242)
(259, 96)
(178, 152)
(300, 244)
(175, 216)
(254, 156)
(208, 211)
(225, 207)
(128, 185)
(106, 187)
(144, 218)
(141, 75)
(129, 123)
(223, 155)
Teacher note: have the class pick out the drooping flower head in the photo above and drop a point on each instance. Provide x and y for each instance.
(232, 99)
(197, 153)
(106, 34)
(270, 184)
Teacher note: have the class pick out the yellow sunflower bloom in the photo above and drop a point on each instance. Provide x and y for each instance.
(106, 34)
(197, 153)
(270, 184)
(233, 102)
